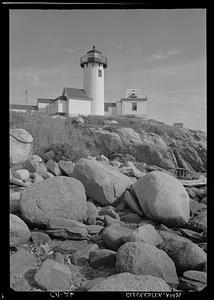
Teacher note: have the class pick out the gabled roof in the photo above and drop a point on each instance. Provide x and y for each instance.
(73, 93)
(21, 106)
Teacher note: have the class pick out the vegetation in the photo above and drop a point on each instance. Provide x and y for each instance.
(67, 140)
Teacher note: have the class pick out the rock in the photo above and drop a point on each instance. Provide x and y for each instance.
(48, 155)
(39, 236)
(204, 201)
(19, 231)
(192, 280)
(21, 174)
(66, 167)
(199, 221)
(163, 198)
(104, 158)
(57, 197)
(145, 259)
(196, 275)
(20, 284)
(196, 206)
(145, 233)
(186, 255)
(103, 183)
(66, 228)
(131, 170)
(115, 163)
(18, 182)
(53, 167)
(109, 210)
(132, 202)
(190, 285)
(46, 175)
(121, 205)
(94, 229)
(70, 246)
(14, 202)
(166, 235)
(21, 263)
(90, 283)
(130, 218)
(109, 220)
(81, 257)
(130, 282)
(192, 235)
(109, 122)
(53, 276)
(91, 213)
(113, 236)
(20, 145)
(31, 165)
(36, 158)
(42, 168)
(102, 257)
(37, 178)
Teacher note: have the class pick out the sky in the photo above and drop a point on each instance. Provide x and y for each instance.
(160, 51)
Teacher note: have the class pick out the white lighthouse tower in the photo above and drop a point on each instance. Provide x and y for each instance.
(93, 64)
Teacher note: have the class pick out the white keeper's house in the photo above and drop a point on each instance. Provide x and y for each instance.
(90, 99)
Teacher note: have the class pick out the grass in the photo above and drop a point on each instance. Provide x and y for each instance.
(48, 132)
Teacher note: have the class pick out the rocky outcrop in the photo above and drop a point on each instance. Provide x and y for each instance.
(61, 197)
(154, 144)
(163, 198)
(103, 183)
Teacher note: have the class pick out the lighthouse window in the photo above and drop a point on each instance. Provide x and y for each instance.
(134, 106)
(100, 73)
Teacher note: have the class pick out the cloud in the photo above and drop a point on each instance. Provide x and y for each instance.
(162, 55)
(30, 75)
(69, 50)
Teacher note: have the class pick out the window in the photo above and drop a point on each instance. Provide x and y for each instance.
(100, 73)
(134, 106)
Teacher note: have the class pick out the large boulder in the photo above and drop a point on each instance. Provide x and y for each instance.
(103, 183)
(57, 197)
(21, 143)
(130, 282)
(163, 198)
(19, 231)
(144, 259)
(54, 276)
(186, 255)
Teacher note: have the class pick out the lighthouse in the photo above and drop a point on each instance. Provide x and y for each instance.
(93, 64)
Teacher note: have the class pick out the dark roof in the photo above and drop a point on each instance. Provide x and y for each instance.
(93, 50)
(108, 104)
(133, 99)
(60, 98)
(44, 100)
(74, 93)
(21, 106)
